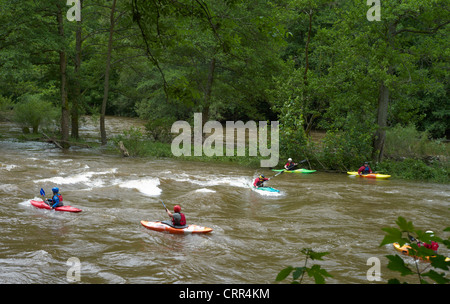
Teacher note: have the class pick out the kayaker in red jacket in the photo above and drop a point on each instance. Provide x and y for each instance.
(259, 181)
(178, 218)
(433, 246)
(365, 169)
(290, 165)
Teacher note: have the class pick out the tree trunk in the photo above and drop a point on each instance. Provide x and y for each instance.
(107, 69)
(305, 76)
(63, 88)
(380, 135)
(209, 84)
(383, 104)
(77, 90)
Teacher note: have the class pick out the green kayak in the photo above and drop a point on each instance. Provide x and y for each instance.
(295, 171)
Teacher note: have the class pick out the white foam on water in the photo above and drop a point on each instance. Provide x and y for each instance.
(147, 186)
(84, 178)
(240, 181)
(205, 190)
(7, 167)
(27, 202)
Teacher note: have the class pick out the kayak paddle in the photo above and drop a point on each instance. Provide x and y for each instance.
(42, 192)
(301, 162)
(164, 205)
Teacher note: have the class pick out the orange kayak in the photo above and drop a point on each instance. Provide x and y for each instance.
(162, 227)
(405, 250)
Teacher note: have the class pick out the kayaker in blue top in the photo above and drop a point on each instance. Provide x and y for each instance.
(365, 169)
(56, 200)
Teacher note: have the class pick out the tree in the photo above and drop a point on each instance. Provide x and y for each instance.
(211, 56)
(63, 82)
(107, 69)
(389, 48)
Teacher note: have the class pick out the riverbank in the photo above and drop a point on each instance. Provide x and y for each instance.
(431, 169)
(428, 167)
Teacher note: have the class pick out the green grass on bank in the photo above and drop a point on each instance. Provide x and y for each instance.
(409, 169)
(412, 167)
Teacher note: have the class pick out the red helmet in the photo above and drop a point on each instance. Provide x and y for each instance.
(177, 208)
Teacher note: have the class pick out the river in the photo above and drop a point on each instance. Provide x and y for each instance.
(255, 234)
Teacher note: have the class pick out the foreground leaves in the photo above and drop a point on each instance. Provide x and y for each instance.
(316, 271)
(406, 233)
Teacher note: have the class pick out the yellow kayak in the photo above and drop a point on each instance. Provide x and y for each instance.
(405, 250)
(370, 175)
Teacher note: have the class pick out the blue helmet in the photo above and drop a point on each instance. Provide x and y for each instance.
(55, 190)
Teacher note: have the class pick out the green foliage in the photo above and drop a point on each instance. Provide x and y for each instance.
(5, 103)
(413, 169)
(408, 142)
(133, 140)
(406, 233)
(344, 150)
(160, 129)
(5, 106)
(33, 112)
(315, 271)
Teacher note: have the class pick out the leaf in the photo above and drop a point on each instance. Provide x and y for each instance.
(393, 235)
(284, 273)
(318, 273)
(437, 277)
(404, 225)
(439, 262)
(317, 255)
(298, 272)
(446, 243)
(314, 255)
(396, 263)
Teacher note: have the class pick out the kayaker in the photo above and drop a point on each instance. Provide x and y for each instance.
(290, 165)
(433, 246)
(364, 169)
(259, 181)
(178, 218)
(56, 200)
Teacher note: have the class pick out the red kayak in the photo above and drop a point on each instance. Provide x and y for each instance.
(44, 205)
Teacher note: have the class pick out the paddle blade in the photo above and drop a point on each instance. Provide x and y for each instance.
(278, 173)
(42, 192)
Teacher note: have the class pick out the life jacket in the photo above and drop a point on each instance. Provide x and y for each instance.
(289, 165)
(364, 170)
(56, 201)
(434, 246)
(60, 197)
(178, 219)
(259, 182)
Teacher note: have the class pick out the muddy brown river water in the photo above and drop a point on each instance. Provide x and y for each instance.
(255, 234)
